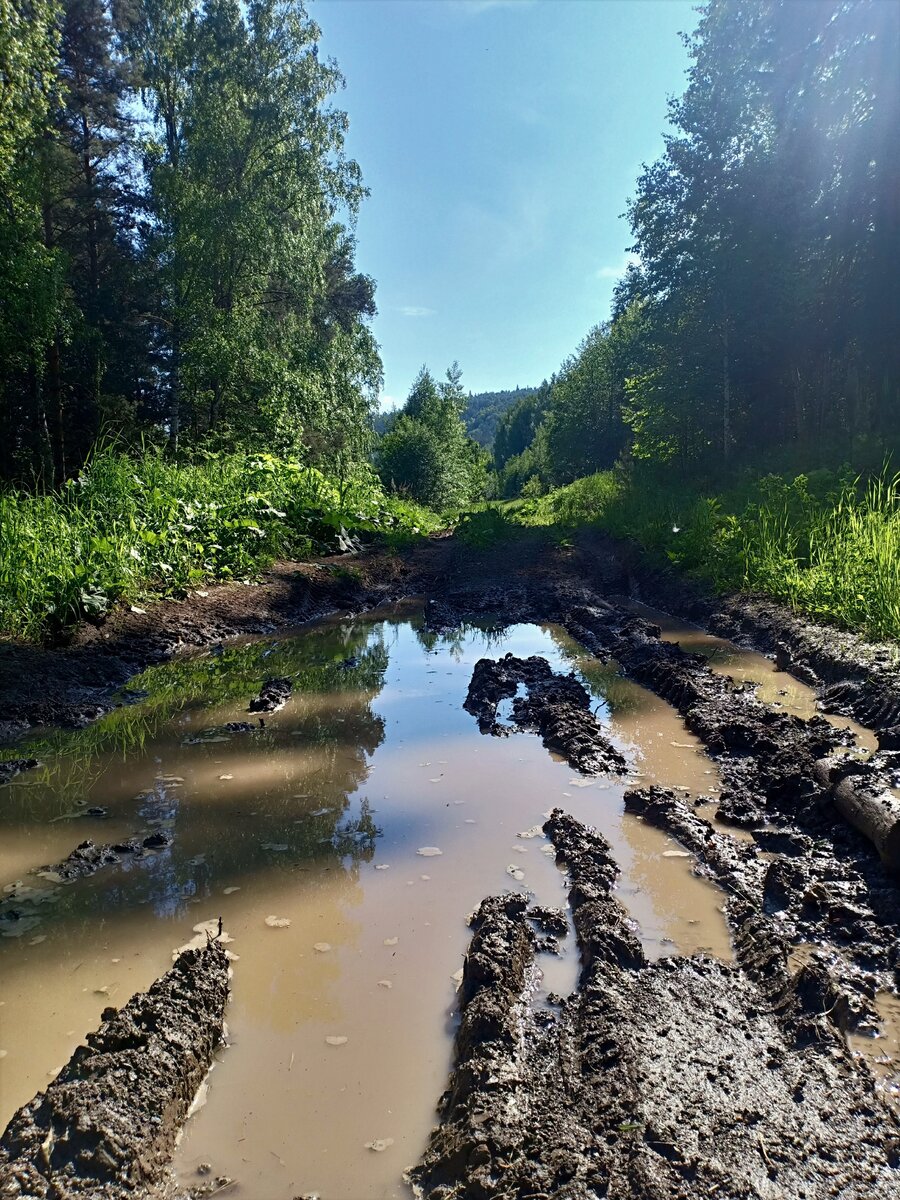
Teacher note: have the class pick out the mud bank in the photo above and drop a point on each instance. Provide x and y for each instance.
(854, 676)
(674, 1079)
(85, 678)
(106, 1126)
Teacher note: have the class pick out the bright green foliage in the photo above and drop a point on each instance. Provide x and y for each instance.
(826, 543)
(130, 527)
(176, 236)
(260, 304)
(426, 453)
(30, 285)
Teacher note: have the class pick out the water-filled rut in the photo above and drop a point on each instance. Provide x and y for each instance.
(342, 840)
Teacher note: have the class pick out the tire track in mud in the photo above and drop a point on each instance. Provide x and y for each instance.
(686, 1076)
(680, 1078)
(105, 1128)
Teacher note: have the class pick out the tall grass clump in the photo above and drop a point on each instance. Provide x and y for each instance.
(129, 528)
(841, 562)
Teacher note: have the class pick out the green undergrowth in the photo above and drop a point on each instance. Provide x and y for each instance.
(139, 528)
(827, 543)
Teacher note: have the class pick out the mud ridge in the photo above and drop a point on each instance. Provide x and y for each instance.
(856, 677)
(106, 1127)
(22, 899)
(793, 896)
(557, 707)
(674, 1079)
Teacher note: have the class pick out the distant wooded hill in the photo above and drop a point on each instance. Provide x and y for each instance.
(483, 411)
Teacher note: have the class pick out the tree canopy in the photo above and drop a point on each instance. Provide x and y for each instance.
(176, 237)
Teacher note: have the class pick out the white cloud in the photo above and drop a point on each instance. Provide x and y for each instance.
(388, 403)
(416, 310)
(616, 272)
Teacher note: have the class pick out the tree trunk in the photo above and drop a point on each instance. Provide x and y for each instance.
(726, 391)
(56, 434)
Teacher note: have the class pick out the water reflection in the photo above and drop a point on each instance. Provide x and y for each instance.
(316, 820)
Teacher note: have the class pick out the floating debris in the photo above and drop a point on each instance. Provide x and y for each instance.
(516, 872)
(385, 983)
(391, 941)
(379, 1144)
(229, 891)
(322, 947)
(336, 1040)
(278, 922)
(429, 851)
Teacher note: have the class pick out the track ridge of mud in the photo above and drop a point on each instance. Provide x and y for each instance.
(789, 897)
(555, 706)
(105, 1128)
(673, 1079)
(820, 879)
(855, 677)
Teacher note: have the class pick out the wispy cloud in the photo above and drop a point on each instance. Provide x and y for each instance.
(388, 403)
(475, 7)
(416, 310)
(618, 270)
(510, 230)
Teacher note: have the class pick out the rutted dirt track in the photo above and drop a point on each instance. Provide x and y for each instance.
(683, 1077)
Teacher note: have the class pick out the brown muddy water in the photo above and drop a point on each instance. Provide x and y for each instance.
(343, 845)
(772, 686)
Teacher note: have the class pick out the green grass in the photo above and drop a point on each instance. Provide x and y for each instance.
(137, 528)
(826, 543)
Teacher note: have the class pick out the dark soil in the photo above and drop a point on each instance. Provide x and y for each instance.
(555, 706)
(106, 1127)
(273, 695)
(680, 1078)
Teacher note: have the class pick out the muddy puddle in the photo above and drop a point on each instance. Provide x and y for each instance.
(342, 843)
(772, 686)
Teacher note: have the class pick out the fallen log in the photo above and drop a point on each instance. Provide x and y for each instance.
(862, 797)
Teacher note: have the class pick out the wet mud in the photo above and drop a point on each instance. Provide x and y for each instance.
(24, 899)
(105, 1128)
(273, 696)
(679, 1078)
(674, 1076)
(556, 706)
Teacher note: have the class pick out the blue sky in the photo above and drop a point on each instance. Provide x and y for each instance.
(500, 140)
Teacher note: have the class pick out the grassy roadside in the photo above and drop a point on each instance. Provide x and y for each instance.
(826, 543)
(139, 528)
